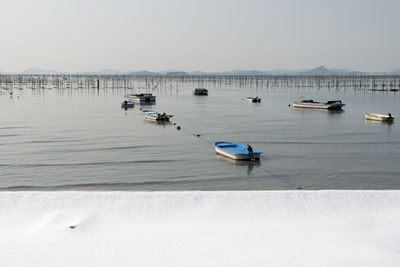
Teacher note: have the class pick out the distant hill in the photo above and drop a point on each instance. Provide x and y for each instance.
(144, 73)
(247, 72)
(347, 72)
(105, 72)
(117, 72)
(283, 72)
(177, 73)
(396, 71)
(320, 70)
(199, 73)
(40, 71)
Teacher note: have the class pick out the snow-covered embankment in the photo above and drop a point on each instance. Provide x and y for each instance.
(278, 228)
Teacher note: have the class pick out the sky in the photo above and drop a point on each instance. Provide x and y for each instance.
(194, 35)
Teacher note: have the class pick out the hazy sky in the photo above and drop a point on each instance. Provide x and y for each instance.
(208, 35)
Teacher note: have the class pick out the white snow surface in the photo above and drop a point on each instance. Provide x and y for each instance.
(232, 228)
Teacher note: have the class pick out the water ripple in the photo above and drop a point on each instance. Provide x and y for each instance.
(40, 165)
(328, 143)
(9, 135)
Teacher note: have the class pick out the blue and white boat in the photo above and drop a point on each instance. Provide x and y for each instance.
(236, 151)
(156, 116)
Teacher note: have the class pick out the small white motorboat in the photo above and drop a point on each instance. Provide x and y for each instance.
(253, 99)
(311, 104)
(236, 151)
(378, 117)
(156, 116)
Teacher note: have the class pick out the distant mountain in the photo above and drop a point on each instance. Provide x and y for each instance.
(199, 73)
(105, 72)
(283, 72)
(41, 71)
(117, 72)
(144, 73)
(347, 72)
(320, 70)
(396, 71)
(247, 72)
(176, 73)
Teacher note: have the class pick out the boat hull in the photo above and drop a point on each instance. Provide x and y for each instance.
(235, 151)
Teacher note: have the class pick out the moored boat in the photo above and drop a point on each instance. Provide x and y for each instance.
(156, 116)
(127, 104)
(200, 91)
(378, 117)
(253, 99)
(141, 98)
(311, 104)
(236, 151)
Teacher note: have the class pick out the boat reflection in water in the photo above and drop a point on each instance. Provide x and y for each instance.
(158, 123)
(370, 122)
(235, 164)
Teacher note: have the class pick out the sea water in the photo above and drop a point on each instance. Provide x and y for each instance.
(74, 139)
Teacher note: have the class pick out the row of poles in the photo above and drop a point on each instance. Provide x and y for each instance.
(150, 83)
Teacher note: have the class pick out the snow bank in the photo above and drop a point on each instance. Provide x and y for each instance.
(275, 228)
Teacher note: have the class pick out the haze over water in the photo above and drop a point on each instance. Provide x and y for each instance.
(83, 140)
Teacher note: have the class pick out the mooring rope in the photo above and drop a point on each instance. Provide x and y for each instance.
(292, 185)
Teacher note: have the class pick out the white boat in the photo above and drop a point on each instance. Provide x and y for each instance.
(253, 99)
(236, 151)
(311, 104)
(156, 116)
(378, 117)
(200, 91)
(141, 98)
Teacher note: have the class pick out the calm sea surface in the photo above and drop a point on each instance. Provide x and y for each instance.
(83, 140)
